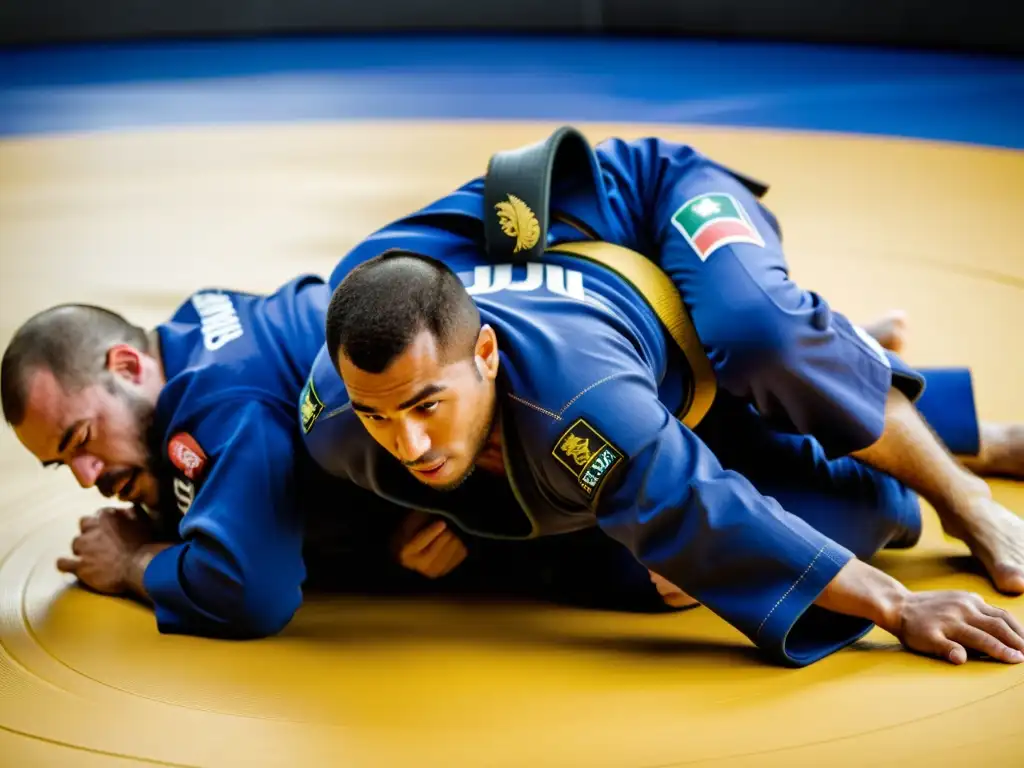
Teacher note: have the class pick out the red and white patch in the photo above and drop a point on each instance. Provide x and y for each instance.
(186, 455)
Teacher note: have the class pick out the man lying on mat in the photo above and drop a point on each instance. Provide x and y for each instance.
(532, 386)
(193, 424)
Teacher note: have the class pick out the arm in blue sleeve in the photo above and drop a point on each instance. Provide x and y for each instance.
(239, 569)
(709, 531)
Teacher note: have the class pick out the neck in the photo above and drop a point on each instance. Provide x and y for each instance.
(158, 359)
(490, 458)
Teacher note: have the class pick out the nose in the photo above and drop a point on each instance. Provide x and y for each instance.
(86, 469)
(411, 440)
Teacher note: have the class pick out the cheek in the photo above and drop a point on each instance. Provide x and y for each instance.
(458, 426)
(122, 437)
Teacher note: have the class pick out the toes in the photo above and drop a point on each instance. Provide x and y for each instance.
(1009, 579)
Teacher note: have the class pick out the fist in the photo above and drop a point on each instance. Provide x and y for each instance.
(428, 548)
(104, 549)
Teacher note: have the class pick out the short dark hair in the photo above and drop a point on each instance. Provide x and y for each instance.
(384, 303)
(70, 341)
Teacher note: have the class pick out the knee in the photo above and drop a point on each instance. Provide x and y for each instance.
(751, 336)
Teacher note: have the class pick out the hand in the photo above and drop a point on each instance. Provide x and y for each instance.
(105, 549)
(428, 548)
(670, 593)
(947, 623)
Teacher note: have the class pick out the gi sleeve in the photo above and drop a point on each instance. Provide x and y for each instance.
(656, 488)
(239, 569)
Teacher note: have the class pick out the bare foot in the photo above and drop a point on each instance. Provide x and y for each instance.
(1002, 451)
(890, 330)
(670, 593)
(995, 536)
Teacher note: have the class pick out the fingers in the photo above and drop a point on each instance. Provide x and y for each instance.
(68, 565)
(448, 557)
(952, 652)
(1001, 630)
(440, 553)
(979, 640)
(999, 613)
(418, 543)
(442, 556)
(87, 523)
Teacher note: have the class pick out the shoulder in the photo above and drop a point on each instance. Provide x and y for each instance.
(330, 430)
(554, 351)
(226, 443)
(233, 422)
(584, 409)
(449, 229)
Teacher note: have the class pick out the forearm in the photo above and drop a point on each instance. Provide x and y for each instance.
(137, 567)
(864, 591)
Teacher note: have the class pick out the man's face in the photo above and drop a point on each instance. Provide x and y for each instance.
(99, 431)
(432, 414)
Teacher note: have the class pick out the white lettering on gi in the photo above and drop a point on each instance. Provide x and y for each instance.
(491, 279)
(218, 319)
(185, 493)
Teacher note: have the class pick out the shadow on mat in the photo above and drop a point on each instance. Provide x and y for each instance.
(497, 622)
(915, 569)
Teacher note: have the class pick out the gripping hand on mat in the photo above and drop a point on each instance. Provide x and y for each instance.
(112, 551)
(943, 623)
(948, 623)
(427, 546)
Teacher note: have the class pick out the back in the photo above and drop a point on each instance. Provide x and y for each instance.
(243, 343)
(228, 353)
(235, 482)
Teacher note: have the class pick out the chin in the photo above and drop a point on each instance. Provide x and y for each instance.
(446, 482)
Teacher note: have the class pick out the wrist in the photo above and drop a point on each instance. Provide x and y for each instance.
(862, 590)
(889, 603)
(139, 562)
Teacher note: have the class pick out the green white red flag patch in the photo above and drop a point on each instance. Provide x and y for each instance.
(712, 220)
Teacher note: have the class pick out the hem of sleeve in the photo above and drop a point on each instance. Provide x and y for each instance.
(798, 633)
(169, 600)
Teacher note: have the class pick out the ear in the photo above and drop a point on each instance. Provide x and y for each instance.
(125, 361)
(486, 352)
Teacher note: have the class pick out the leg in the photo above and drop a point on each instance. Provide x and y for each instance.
(1000, 452)
(909, 451)
(989, 449)
(852, 503)
(985, 448)
(806, 367)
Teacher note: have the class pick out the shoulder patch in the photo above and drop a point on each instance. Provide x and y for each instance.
(185, 453)
(712, 220)
(310, 404)
(587, 455)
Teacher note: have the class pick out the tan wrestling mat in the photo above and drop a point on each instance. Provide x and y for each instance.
(138, 220)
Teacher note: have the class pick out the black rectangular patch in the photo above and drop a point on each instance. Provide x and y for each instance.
(587, 455)
(310, 405)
